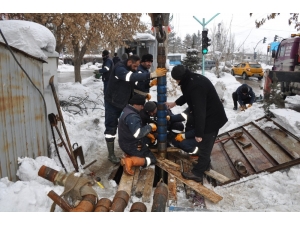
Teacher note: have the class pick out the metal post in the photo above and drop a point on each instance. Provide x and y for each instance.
(203, 27)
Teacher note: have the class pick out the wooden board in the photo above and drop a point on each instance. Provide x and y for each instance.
(126, 183)
(135, 179)
(212, 173)
(207, 193)
(148, 184)
(141, 183)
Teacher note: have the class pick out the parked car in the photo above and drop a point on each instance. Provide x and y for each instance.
(248, 69)
(209, 64)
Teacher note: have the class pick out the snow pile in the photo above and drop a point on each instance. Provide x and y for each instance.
(29, 37)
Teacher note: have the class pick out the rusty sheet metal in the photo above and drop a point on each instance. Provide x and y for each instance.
(264, 146)
(22, 111)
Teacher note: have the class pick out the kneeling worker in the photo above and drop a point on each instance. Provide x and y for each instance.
(244, 95)
(131, 135)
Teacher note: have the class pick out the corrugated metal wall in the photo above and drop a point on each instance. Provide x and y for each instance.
(22, 112)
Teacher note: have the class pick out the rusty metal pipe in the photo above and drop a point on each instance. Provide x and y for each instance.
(88, 201)
(120, 201)
(138, 207)
(160, 198)
(87, 204)
(59, 201)
(103, 205)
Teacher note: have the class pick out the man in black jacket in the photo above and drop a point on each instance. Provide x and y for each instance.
(116, 58)
(208, 112)
(244, 95)
(119, 91)
(131, 133)
(107, 66)
(144, 67)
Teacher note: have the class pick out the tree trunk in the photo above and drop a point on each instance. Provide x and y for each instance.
(77, 65)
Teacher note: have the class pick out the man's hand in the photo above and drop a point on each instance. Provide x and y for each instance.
(159, 72)
(151, 137)
(170, 104)
(180, 137)
(153, 83)
(198, 139)
(153, 126)
(249, 105)
(243, 107)
(148, 96)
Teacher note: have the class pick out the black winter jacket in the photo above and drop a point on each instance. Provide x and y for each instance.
(203, 100)
(249, 96)
(121, 84)
(130, 129)
(143, 85)
(106, 70)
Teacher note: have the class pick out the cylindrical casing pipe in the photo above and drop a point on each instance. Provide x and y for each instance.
(160, 198)
(103, 205)
(87, 204)
(88, 201)
(120, 201)
(138, 207)
(59, 201)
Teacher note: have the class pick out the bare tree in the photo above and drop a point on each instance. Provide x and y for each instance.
(81, 32)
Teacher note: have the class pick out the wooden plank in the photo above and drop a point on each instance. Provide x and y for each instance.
(212, 173)
(126, 183)
(135, 179)
(141, 183)
(169, 149)
(172, 183)
(148, 184)
(207, 193)
(172, 187)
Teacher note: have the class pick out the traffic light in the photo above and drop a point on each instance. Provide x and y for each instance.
(268, 48)
(205, 42)
(265, 39)
(276, 38)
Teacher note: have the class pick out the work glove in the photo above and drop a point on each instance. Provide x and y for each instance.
(153, 83)
(243, 107)
(148, 96)
(168, 118)
(249, 105)
(159, 72)
(153, 126)
(151, 137)
(180, 137)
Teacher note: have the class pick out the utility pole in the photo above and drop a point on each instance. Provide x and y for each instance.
(254, 55)
(203, 29)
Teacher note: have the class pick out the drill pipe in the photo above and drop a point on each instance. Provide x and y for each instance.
(160, 198)
(120, 201)
(138, 207)
(85, 205)
(103, 205)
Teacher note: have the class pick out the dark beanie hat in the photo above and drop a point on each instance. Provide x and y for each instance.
(244, 89)
(149, 106)
(137, 100)
(178, 72)
(105, 52)
(147, 58)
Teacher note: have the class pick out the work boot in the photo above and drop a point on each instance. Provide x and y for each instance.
(111, 152)
(191, 176)
(129, 161)
(235, 108)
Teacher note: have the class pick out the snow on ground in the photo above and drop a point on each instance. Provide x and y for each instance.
(263, 192)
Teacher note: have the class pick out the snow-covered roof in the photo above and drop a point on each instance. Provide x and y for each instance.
(29, 37)
(143, 37)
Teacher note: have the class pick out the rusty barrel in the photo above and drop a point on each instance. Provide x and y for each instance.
(103, 205)
(160, 198)
(120, 201)
(138, 207)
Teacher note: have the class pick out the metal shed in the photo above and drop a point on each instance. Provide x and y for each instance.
(23, 121)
